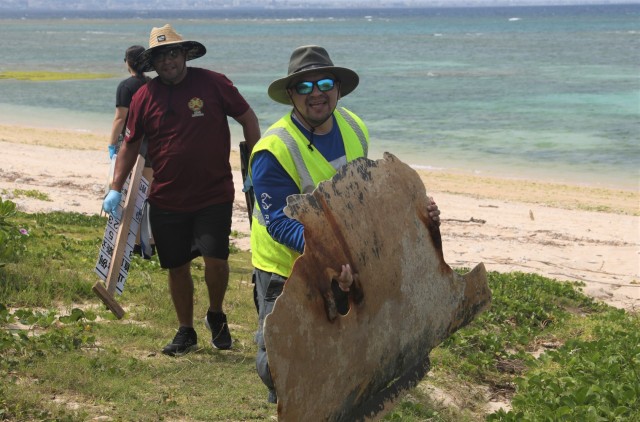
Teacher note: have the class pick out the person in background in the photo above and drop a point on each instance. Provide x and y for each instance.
(305, 147)
(124, 94)
(183, 114)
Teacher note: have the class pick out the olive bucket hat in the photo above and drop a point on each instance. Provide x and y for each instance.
(167, 36)
(308, 59)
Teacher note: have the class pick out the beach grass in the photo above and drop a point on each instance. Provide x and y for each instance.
(40, 76)
(543, 346)
(28, 193)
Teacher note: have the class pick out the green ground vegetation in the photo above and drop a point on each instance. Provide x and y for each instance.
(28, 193)
(554, 353)
(51, 76)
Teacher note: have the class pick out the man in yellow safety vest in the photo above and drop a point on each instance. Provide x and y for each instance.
(302, 149)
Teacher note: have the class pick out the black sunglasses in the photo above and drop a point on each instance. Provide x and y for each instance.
(306, 87)
(170, 53)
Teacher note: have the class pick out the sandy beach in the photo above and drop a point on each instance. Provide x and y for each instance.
(565, 232)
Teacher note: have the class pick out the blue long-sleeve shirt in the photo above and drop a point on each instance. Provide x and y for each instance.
(272, 185)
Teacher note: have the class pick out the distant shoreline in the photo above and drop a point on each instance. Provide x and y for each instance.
(561, 195)
(99, 124)
(121, 9)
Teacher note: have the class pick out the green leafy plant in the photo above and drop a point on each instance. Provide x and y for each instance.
(593, 379)
(12, 236)
(54, 332)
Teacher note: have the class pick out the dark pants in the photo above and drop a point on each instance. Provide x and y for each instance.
(268, 287)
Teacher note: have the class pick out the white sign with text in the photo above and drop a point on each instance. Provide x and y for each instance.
(108, 242)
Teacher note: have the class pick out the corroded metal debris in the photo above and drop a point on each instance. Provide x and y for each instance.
(350, 361)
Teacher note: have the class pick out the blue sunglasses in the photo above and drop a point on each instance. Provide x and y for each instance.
(306, 87)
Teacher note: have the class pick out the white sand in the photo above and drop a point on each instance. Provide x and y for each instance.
(522, 225)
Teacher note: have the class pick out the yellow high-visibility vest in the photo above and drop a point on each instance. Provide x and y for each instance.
(289, 145)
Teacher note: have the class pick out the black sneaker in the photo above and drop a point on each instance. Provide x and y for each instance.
(185, 341)
(216, 322)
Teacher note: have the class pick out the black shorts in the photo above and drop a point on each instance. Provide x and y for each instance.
(181, 237)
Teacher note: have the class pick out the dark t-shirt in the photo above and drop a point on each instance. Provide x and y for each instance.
(189, 140)
(124, 93)
(126, 89)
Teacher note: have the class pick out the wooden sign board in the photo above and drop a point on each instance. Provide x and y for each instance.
(116, 250)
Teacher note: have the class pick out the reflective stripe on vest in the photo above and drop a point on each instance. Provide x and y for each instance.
(307, 184)
(306, 181)
(356, 128)
(269, 255)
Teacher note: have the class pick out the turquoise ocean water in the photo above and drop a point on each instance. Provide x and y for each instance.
(550, 93)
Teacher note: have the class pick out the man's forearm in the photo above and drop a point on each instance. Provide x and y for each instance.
(250, 128)
(127, 157)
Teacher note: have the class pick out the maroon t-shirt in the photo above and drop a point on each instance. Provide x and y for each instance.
(189, 140)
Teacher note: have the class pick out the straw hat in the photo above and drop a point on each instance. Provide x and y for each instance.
(167, 36)
(308, 59)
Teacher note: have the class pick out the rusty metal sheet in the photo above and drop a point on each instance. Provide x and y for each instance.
(331, 363)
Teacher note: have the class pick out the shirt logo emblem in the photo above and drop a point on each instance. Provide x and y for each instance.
(266, 204)
(195, 105)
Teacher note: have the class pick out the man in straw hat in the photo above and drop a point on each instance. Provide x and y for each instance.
(302, 149)
(183, 113)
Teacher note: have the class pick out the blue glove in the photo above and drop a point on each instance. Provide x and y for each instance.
(111, 202)
(112, 151)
